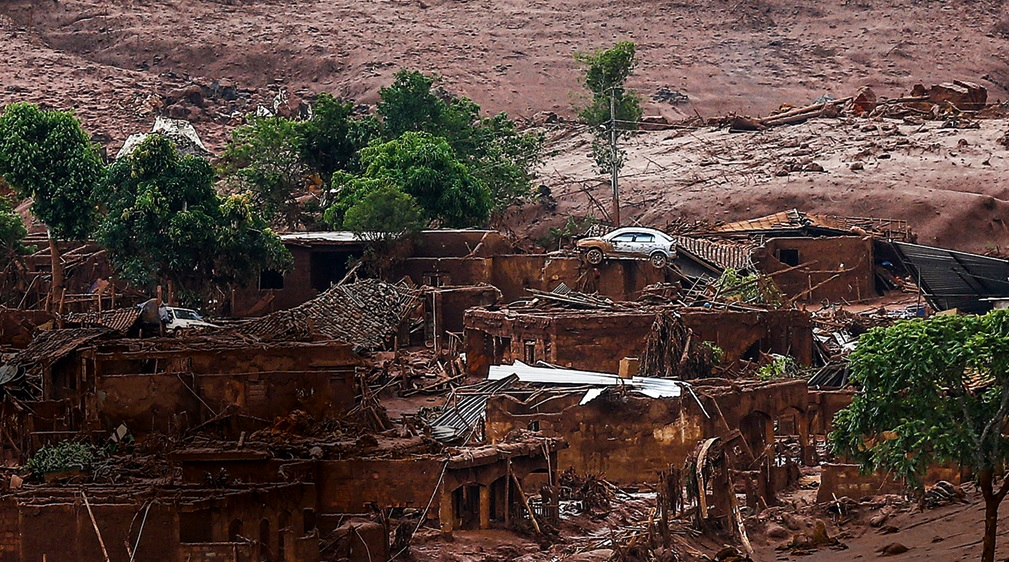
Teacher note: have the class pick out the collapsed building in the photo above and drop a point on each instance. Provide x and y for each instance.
(275, 444)
(234, 497)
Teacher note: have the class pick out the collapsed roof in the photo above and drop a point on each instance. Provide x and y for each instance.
(362, 314)
(22, 373)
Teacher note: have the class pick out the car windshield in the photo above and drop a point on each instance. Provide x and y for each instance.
(186, 314)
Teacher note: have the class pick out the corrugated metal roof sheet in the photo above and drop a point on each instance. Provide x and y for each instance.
(458, 419)
(332, 238)
(361, 314)
(951, 279)
(649, 386)
(719, 254)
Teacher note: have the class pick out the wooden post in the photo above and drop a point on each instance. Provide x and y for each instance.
(446, 513)
(485, 507)
(94, 523)
(508, 494)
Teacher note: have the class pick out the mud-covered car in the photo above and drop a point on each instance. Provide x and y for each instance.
(637, 242)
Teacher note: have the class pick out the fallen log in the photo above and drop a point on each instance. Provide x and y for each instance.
(773, 120)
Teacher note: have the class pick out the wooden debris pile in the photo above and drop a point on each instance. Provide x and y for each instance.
(671, 351)
(955, 103)
(418, 371)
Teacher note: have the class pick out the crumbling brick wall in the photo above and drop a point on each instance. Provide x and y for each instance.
(840, 268)
(630, 438)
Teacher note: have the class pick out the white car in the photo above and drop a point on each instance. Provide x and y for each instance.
(175, 318)
(649, 243)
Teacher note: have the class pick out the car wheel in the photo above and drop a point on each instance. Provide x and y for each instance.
(658, 260)
(594, 256)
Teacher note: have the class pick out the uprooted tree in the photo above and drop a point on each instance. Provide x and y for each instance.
(47, 156)
(163, 221)
(933, 391)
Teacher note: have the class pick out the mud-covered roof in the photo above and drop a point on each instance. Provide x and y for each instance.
(362, 314)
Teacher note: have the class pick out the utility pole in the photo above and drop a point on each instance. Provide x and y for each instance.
(614, 171)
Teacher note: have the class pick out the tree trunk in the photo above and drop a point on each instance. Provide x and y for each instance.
(991, 502)
(57, 285)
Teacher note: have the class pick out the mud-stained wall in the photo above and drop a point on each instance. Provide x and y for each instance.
(595, 342)
(444, 308)
(356, 485)
(840, 480)
(598, 340)
(57, 526)
(514, 273)
(741, 334)
(174, 388)
(629, 438)
(166, 402)
(38, 539)
(351, 486)
(823, 406)
(839, 268)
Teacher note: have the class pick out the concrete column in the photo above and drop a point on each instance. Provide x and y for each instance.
(485, 507)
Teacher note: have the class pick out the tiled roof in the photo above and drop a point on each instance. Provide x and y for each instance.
(720, 254)
(362, 314)
(120, 319)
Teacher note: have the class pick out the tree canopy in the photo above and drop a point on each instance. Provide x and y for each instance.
(12, 230)
(933, 391)
(384, 214)
(265, 156)
(47, 156)
(606, 71)
(492, 148)
(425, 168)
(276, 158)
(164, 221)
(331, 139)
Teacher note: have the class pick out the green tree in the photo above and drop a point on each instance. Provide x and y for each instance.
(164, 222)
(12, 231)
(265, 158)
(493, 149)
(47, 156)
(384, 214)
(332, 138)
(606, 72)
(933, 391)
(424, 167)
(387, 219)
